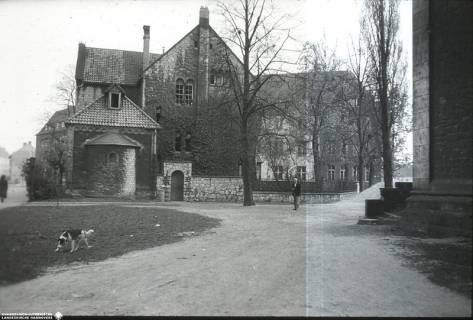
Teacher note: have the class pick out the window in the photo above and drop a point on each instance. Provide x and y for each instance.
(180, 91)
(331, 173)
(278, 172)
(188, 90)
(114, 100)
(212, 79)
(331, 148)
(301, 173)
(344, 148)
(302, 148)
(111, 158)
(343, 173)
(355, 173)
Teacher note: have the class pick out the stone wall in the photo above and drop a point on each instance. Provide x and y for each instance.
(111, 178)
(230, 189)
(216, 189)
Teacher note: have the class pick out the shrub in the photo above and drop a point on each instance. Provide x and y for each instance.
(39, 179)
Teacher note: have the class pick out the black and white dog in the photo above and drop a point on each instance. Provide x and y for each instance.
(73, 236)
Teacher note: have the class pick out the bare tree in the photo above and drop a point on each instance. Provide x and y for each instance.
(259, 38)
(321, 86)
(66, 90)
(357, 104)
(380, 26)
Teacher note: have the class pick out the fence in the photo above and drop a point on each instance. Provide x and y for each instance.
(306, 186)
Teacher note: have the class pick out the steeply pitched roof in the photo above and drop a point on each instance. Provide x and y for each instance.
(113, 139)
(58, 116)
(97, 65)
(98, 113)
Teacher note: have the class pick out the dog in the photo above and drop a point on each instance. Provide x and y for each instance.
(73, 236)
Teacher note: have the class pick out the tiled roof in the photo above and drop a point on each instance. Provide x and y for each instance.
(114, 139)
(98, 113)
(97, 65)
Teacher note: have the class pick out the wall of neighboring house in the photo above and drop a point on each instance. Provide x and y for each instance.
(215, 141)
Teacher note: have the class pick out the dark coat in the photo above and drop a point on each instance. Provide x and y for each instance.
(3, 188)
(296, 189)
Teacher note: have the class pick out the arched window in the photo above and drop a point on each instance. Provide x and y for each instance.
(331, 173)
(343, 173)
(180, 91)
(188, 91)
(112, 158)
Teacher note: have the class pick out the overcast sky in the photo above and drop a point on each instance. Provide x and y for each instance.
(40, 39)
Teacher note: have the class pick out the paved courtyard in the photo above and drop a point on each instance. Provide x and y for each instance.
(262, 260)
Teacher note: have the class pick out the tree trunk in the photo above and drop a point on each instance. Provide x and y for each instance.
(316, 156)
(246, 167)
(360, 170)
(383, 97)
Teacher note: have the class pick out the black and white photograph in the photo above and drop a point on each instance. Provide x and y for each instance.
(297, 158)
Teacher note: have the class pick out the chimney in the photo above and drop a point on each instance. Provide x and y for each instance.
(204, 17)
(145, 64)
(145, 46)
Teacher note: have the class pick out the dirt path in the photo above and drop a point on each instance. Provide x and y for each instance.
(261, 261)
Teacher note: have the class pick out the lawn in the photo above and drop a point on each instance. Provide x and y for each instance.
(28, 235)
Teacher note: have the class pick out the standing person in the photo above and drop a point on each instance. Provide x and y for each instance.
(296, 192)
(3, 187)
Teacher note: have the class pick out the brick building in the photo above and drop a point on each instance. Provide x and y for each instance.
(442, 113)
(289, 150)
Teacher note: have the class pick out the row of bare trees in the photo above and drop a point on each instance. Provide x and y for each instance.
(374, 87)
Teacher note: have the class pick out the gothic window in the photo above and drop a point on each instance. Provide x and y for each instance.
(188, 92)
(331, 173)
(302, 149)
(301, 173)
(180, 91)
(355, 173)
(343, 173)
(278, 172)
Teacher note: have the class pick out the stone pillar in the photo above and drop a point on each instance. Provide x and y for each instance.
(421, 81)
(441, 200)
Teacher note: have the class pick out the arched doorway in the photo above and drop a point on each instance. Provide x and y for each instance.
(177, 186)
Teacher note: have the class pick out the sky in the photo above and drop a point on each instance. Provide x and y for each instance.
(40, 41)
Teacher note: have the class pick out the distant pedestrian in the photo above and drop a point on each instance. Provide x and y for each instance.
(3, 187)
(296, 192)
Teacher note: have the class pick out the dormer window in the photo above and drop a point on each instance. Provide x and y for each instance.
(114, 100)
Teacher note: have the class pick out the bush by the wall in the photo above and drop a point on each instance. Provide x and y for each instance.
(40, 183)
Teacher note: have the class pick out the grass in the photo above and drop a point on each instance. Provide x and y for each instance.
(28, 235)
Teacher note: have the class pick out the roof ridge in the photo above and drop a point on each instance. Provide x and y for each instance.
(122, 50)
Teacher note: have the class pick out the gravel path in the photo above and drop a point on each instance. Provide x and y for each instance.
(262, 260)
